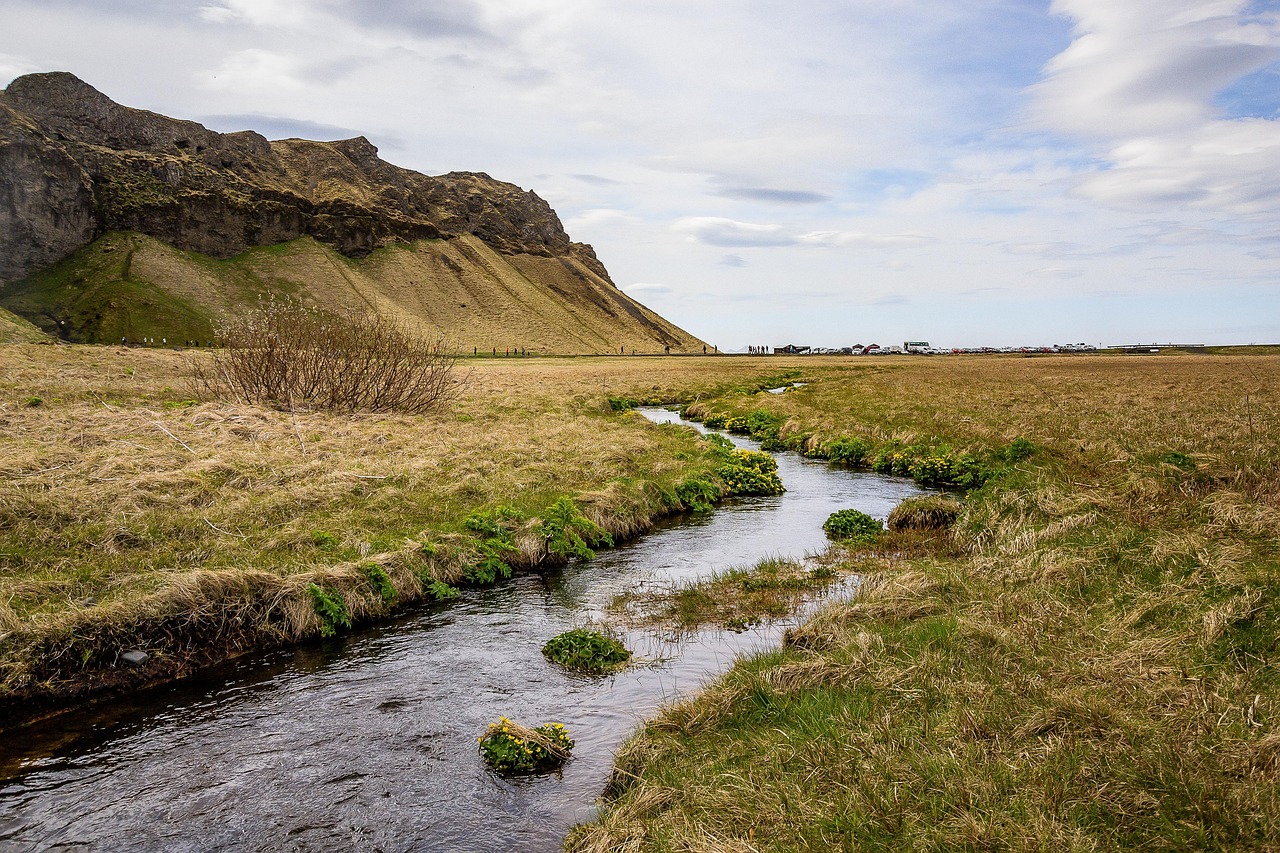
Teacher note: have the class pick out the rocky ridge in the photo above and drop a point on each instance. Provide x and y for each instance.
(75, 166)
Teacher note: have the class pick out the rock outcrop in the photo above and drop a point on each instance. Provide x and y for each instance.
(75, 166)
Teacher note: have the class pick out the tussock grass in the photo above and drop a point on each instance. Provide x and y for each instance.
(932, 512)
(1084, 661)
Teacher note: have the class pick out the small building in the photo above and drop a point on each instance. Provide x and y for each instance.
(791, 349)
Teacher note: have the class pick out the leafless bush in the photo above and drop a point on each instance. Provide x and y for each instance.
(291, 358)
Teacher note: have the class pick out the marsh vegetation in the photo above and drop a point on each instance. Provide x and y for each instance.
(138, 514)
(1084, 659)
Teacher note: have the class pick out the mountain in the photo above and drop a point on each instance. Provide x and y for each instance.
(118, 222)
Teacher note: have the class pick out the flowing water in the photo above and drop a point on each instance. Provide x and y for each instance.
(368, 741)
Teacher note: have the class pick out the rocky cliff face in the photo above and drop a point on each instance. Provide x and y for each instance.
(95, 197)
(74, 165)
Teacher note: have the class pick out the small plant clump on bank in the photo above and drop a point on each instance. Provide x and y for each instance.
(932, 512)
(697, 494)
(852, 527)
(567, 533)
(509, 747)
(331, 607)
(441, 591)
(494, 528)
(585, 650)
(751, 472)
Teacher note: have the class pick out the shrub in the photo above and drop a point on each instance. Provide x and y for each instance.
(584, 650)
(331, 607)
(288, 357)
(850, 525)
(932, 512)
(509, 747)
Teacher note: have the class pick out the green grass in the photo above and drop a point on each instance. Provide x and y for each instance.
(93, 296)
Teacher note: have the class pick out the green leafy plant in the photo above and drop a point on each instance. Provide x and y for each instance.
(33, 402)
(697, 494)
(715, 420)
(380, 581)
(1018, 449)
(509, 747)
(1179, 460)
(331, 607)
(568, 533)
(585, 650)
(495, 530)
(622, 404)
(324, 540)
(847, 451)
(750, 472)
(852, 526)
(441, 591)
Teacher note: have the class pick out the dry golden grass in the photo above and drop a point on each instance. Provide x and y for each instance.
(123, 502)
(1087, 663)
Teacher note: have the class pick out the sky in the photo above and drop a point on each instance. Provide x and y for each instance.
(825, 172)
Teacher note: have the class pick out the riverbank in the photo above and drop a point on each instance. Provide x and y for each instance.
(136, 519)
(1087, 660)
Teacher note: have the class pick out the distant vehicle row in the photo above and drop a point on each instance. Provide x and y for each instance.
(920, 348)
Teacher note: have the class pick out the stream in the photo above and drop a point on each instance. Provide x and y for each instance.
(368, 741)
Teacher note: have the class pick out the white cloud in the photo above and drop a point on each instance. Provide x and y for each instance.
(717, 231)
(15, 66)
(729, 233)
(877, 151)
(257, 70)
(599, 217)
(1140, 78)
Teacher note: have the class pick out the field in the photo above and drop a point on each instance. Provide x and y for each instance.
(135, 517)
(1085, 661)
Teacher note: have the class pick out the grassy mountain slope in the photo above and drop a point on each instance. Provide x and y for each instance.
(133, 286)
(15, 330)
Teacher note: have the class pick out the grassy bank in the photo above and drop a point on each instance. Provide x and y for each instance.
(135, 518)
(1086, 661)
